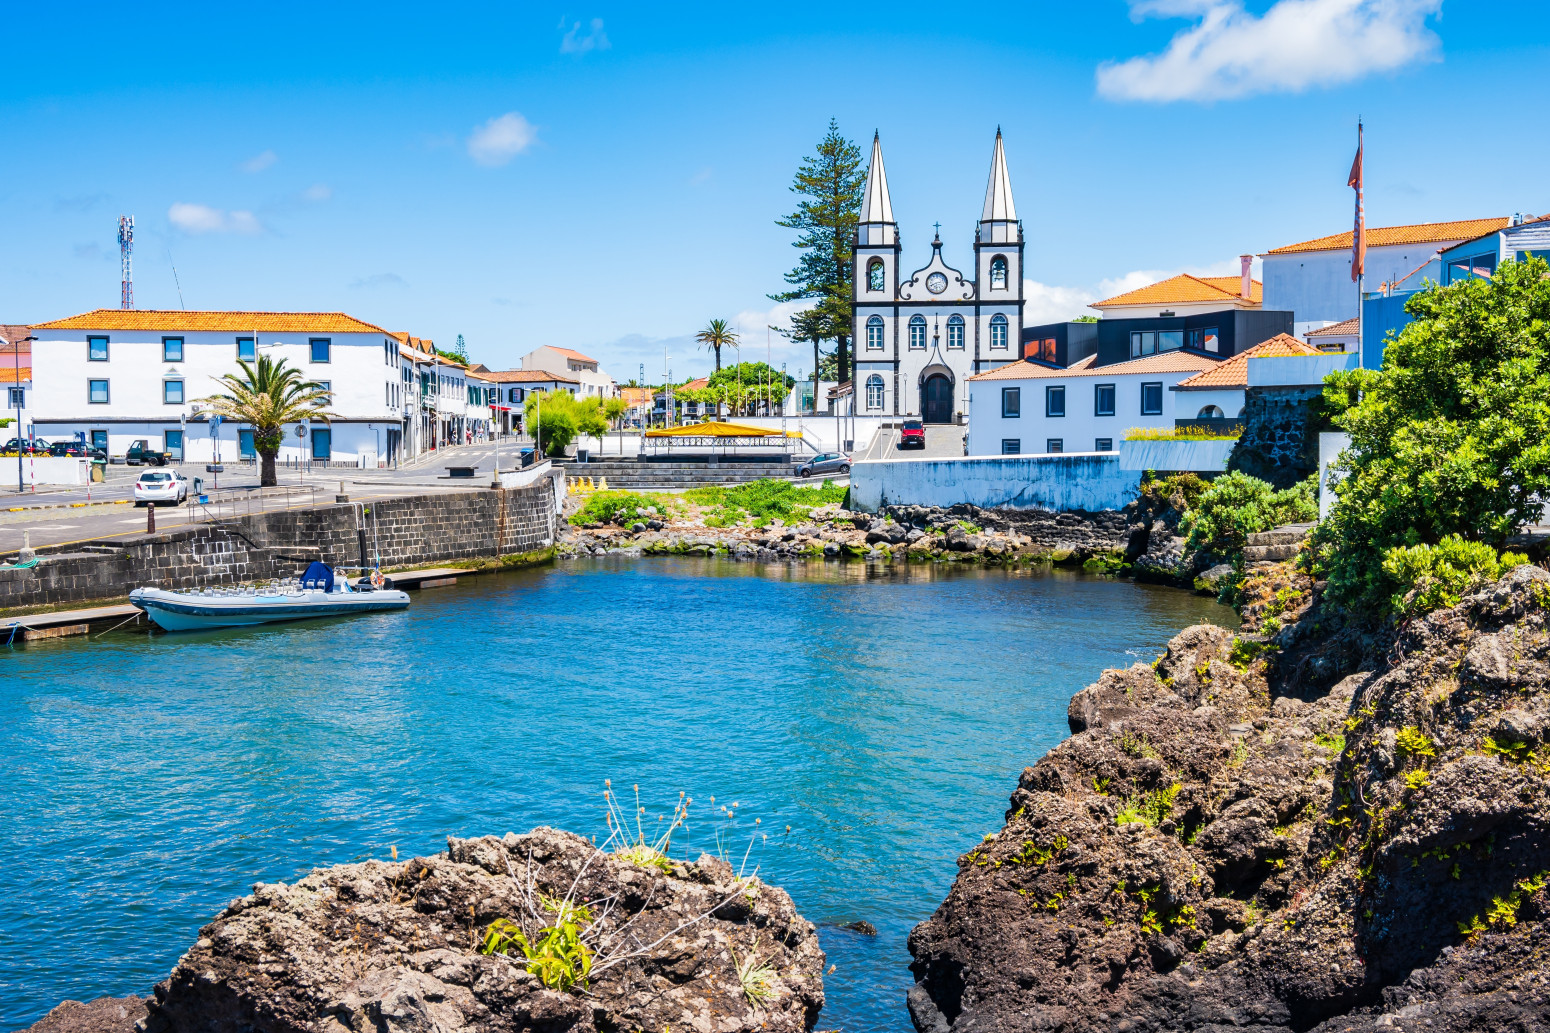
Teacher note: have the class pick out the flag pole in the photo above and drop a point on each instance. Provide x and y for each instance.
(1358, 243)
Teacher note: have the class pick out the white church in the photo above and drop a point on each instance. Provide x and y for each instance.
(919, 338)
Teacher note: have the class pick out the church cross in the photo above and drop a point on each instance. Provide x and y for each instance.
(938, 227)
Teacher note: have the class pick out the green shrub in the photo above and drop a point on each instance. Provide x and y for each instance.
(1434, 577)
(1448, 438)
(1148, 808)
(1237, 505)
(625, 507)
(1181, 490)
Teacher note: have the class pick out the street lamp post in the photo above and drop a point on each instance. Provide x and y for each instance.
(16, 363)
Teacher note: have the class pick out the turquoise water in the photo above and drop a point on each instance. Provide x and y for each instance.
(884, 718)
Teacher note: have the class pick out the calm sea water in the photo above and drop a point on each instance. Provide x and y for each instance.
(884, 718)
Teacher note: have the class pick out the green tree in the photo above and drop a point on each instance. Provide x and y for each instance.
(831, 184)
(460, 351)
(716, 335)
(267, 395)
(561, 417)
(750, 383)
(1450, 437)
(816, 325)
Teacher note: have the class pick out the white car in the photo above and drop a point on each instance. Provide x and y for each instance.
(161, 487)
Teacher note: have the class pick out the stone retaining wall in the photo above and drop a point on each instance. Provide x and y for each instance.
(408, 531)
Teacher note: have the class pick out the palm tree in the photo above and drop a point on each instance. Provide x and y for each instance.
(268, 395)
(715, 336)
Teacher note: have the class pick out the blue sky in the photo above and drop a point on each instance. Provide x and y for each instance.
(607, 177)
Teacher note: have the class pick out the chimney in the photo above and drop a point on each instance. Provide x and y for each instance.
(1247, 290)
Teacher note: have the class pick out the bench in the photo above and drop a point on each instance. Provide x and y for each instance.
(460, 471)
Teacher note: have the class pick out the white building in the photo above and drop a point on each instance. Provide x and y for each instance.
(919, 339)
(115, 376)
(1218, 393)
(1336, 337)
(513, 387)
(1313, 278)
(572, 365)
(1027, 407)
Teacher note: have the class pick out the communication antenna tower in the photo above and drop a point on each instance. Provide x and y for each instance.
(126, 247)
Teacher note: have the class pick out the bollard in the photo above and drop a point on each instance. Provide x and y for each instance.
(150, 518)
(341, 497)
(602, 484)
(590, 486)
(26, 555)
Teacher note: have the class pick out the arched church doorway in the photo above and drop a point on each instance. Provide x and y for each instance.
(936, 399)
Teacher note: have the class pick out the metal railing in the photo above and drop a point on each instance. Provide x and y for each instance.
(231, 503)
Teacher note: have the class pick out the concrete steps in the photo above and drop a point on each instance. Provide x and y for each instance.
(1278, 544)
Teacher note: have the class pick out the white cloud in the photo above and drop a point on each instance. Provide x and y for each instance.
(260, 162)
(318, 192)
(575, 43)
(1295, 45)
(199, 218)
(501, 139)
(379, 280)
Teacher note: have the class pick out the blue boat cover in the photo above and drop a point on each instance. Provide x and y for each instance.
(318, 575)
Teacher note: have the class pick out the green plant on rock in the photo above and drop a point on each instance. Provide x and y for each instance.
(1417, 779)
(1148, 808)
(1434, 577)
(623, 507)
(1412, 742)
(556, 956)
(1246, 652)
(1238, 505)
(764, 500)
(757, 981)
(1503, 912)
(1033, 854)
(1330, 742)
(1135, 745)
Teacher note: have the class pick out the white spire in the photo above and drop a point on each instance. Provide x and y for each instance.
(998, 192)
(877, 207)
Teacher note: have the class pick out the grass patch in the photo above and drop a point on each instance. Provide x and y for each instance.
(624, 507)
(763, 501)
(1177, 434)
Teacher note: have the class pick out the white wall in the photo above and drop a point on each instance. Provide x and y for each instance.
(1189, 403)
(1080, 428)
(1316, 285)
(1092, 482)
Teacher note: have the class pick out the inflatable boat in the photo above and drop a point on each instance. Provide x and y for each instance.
(317, 593)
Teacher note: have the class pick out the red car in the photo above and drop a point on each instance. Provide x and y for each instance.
(913, 434)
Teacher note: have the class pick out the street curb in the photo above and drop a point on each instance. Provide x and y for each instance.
(68, 505)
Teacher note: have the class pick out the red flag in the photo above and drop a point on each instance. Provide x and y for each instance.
(1359, 232)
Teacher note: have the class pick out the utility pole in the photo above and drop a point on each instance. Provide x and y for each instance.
(126, 247)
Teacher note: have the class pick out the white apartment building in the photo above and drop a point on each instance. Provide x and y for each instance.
(1028, 408)
(572, 365)
(114, 376)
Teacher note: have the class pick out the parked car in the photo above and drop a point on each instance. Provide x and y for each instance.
(27, 446)
(161, 487)
(825, 462)
(912, 434)
(142, 454)
(76, 449)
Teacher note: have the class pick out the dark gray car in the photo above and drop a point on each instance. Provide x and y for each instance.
(825, 462)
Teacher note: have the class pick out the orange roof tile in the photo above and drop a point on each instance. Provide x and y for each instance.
(1416, 233)
(526, 376)
(1162, 362)
(1346, 328)
(1185, 289)
(1234, 372)
(12, 375)
(262, 322)
(571, 353)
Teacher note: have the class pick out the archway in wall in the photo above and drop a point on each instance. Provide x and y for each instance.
(936, 399)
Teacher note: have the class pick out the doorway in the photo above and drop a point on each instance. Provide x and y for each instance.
(936, 399)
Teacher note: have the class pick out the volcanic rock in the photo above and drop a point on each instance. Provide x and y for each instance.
(395, 946)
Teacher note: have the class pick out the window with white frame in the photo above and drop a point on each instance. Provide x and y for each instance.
(874, 333)
(955, 332)
(998, 326)
(918, 332)
(874, 392)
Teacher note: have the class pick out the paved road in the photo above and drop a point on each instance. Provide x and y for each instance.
(66, 516)
(943, 441)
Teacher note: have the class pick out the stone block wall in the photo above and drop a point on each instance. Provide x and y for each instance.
(409, 531)
(1280, 441)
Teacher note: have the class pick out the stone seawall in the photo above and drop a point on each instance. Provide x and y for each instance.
(405, 531)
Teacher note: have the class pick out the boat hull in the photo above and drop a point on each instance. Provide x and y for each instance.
(177, 612)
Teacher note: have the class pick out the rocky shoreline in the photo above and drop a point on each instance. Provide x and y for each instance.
(1141, 539)
(1310, 830)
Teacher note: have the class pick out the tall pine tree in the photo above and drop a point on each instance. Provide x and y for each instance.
(830, 184)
